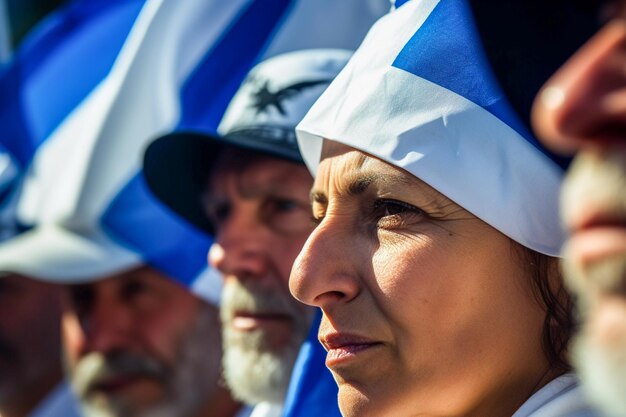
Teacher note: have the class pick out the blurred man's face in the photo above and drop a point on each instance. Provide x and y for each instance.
(137, 344)
(261, 214)
(582, 109)
(30, 358)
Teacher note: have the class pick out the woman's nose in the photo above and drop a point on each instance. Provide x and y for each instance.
(326, 270)
(585, 101)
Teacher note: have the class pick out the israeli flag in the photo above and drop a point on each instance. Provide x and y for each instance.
(83, 174)
(57, 65)
(96, 82)
(420, 95)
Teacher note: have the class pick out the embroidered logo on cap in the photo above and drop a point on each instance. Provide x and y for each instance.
(264, 98)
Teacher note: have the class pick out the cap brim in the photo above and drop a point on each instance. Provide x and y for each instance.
(177, 166)
(54, 254)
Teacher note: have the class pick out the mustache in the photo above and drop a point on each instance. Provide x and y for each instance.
(599, 179)
(96, 369)
(255, 298)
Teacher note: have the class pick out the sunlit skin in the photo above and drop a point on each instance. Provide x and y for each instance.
(427, 309)
(30, 365)
(261, 214)
(140, 314)
(262, 219)
(582, 110)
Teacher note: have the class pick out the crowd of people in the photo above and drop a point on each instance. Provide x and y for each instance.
(315, 208)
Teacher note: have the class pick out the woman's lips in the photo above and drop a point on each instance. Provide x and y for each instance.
(343, 348)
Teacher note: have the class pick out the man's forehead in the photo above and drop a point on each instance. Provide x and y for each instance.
(143, 272)
(258, 174)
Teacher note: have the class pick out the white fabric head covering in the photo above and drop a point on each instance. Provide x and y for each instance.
(419, 94)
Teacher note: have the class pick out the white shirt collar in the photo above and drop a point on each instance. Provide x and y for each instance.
(561, 397)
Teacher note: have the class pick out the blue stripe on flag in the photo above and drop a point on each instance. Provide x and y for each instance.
(447, 51)
(141, 223)
(32, 100)
(15, 131)
(313, 391)
(215, 80)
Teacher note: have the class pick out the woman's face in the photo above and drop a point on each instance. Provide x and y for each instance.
(427, 309)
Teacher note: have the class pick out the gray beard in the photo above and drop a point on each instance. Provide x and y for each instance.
(255, 374)
(599, 350)
(599, 179)
(602, 369)
(193, 380)
(254, 371)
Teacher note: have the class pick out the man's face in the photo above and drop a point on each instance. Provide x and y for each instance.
(261, 215)
(582, 109)
(30, 355)
(137, 344)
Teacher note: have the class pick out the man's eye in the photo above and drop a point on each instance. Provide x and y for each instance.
(218, 212)
(282, 206)
(133, 288)
(393, 213)
(287, 216)
(82, 298)
(285, 205)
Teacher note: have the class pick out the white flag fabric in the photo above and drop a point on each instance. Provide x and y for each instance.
(83, 188)
(419, 94)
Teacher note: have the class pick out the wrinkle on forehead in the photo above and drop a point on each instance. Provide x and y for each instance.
(350, 172)
(353, 171)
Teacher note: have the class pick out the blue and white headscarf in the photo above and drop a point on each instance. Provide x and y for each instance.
(420, 95)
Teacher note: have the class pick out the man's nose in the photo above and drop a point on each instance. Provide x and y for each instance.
(107, 327)
(585, 101)
(240, 247)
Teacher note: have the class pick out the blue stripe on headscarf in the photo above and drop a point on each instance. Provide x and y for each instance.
(313, 391)
(447, 50)
(32, 100)
(141, 223)
(207, 92)
(399, 3)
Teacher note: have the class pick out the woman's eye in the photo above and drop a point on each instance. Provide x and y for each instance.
(393, 213)
(316, 220)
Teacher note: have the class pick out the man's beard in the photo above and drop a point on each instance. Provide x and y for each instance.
(595, 185)
(254, 371)
(601, 364)
(190, 380)
(598, 179)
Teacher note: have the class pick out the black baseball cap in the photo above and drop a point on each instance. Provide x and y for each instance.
(261, 118)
